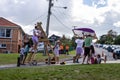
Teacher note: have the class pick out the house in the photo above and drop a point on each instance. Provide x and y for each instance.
(54, 38)
(11, 36)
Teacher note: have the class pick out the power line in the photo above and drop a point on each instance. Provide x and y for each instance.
(37, 18)
(63, 16)
(61, 22)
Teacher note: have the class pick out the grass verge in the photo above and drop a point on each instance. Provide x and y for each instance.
(12, 58)
(64, 72)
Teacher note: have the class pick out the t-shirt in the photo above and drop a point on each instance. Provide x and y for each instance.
(88, 41)
(26, 50)
(57, 47)
(79, 42)
(22, 51)
(66, 47)
(36, 32)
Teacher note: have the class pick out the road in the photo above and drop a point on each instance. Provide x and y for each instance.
(108, 54)
(98, 51)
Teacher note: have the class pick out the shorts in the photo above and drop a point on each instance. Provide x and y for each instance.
(87, 51)
(56, 52)
(79, 50)
(35, 39)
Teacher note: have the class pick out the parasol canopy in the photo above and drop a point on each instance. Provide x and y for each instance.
(87, 31)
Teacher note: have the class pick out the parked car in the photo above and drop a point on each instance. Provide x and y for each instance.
(109, 49)
(40, 47)
(116, 53)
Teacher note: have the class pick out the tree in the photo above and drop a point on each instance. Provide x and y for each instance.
(117, 40)
(112, 33)
(102, 39)
(65, 40)
(108, 38)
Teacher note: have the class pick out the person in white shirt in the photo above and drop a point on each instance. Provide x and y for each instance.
(79, 49)
(35, 38)
(56, 51)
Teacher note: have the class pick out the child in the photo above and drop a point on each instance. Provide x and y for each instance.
(67, 49)
(56, 51)
(21, 54)
(104, 57)
(98, 59)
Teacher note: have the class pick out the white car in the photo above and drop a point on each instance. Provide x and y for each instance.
(40, 47)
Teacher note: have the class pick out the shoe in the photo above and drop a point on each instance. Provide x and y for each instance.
(62, 63)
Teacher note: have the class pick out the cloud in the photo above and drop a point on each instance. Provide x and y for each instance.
(103, 17)
(100, 15)
(117, 24)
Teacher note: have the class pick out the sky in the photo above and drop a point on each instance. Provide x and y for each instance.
(99, 15)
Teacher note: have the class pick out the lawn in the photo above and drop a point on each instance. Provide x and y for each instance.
(12, 58)
(63, 72)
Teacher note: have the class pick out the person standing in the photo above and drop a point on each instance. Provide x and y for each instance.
(87, 41)
(92, 53)
(67, 49)
(79, 49)
(26, 41)
(61, 48)
(56, 51)
(22, 54)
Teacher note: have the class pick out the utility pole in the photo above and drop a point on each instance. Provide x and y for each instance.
(48, 17)
(47, 25)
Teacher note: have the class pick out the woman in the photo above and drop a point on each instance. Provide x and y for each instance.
(79, 49)
(35, 40)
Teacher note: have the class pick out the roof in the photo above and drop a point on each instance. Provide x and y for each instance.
(6, 23)
(54, 36)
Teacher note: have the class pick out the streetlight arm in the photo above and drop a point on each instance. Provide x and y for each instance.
(60, 7)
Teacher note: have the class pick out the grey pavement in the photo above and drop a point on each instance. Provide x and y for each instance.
(67, 62)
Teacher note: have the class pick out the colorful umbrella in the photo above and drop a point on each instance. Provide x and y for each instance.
(87, 31)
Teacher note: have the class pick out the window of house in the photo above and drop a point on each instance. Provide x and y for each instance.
(5, 33)
(2, 45)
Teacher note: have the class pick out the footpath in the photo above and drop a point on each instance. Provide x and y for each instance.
(67, 62)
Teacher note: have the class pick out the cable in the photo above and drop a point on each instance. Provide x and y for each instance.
(63, 16)
(61, 22)
(37, 18)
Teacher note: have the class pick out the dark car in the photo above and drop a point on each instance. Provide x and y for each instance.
(116, 53)
(109, 49)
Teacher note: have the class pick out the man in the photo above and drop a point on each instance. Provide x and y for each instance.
(87, 44)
